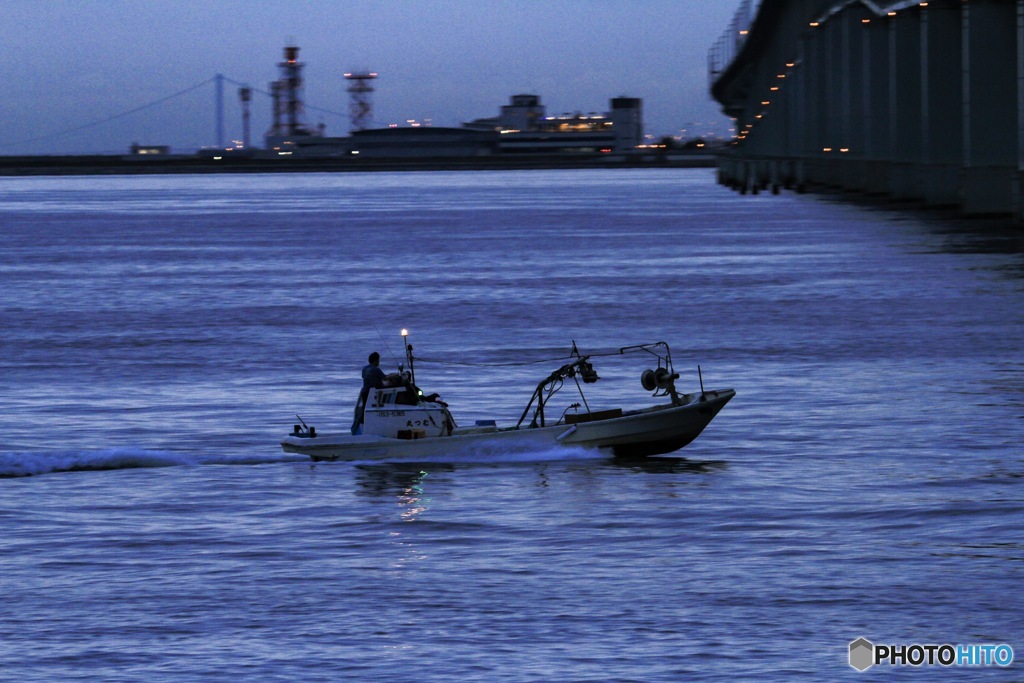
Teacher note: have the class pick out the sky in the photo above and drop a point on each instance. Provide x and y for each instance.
(71, 63)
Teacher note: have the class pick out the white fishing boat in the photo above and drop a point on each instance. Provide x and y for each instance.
(400, 422)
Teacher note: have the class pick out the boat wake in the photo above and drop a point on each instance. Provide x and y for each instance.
(483, 453)
(45, 462)
(27, 464)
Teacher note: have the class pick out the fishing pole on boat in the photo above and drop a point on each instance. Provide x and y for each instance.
(394, 359)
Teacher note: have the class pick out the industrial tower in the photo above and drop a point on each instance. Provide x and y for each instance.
(245, 95)
(287, 94)
(360, 108)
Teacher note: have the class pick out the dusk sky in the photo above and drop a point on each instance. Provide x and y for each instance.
(69, 63)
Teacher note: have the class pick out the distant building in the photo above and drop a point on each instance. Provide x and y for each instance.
(521, 128)
(423, 141)
(137, 149)
(395, 143)
(522, 113)
(525, 128)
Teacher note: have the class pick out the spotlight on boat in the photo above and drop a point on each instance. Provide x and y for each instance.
(665, 378)
(661, 378)
(405, 332)
(588, 373)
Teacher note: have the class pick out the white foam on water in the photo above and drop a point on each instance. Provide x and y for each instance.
(26, 464)
(484, 454)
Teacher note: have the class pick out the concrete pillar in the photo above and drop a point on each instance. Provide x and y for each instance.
(990, 107)
(877, 151)
(905, 104)
(817, 109)
(941, 103)
(855, 36)
(830, 97)
(1019, 182)
(796, 95)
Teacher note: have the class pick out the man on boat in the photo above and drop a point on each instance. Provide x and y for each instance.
(373, 378)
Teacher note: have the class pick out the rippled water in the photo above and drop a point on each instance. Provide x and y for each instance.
(161, 333)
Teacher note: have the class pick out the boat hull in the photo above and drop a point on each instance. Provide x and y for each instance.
(652, 431)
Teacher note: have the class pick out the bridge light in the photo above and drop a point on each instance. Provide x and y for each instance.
(865, 21)
(765, 103)
(815, 24)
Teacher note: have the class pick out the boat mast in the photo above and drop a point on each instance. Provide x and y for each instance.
(408, 355)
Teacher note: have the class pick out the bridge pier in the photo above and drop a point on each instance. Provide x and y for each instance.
(942, 104)
(991, 107)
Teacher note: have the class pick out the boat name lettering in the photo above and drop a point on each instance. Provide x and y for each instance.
(392, 413)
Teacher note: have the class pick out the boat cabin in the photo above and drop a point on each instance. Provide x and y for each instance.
(403, 413)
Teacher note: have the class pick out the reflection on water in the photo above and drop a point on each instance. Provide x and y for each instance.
(979, 236)
(670, 465)
(413, 500)
(391, 479)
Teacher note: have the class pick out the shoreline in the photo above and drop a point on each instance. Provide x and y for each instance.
(19, 166)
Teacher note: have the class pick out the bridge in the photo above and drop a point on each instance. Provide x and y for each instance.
(916, 101)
